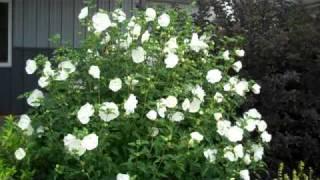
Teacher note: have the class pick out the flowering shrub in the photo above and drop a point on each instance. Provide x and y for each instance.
(146, 97)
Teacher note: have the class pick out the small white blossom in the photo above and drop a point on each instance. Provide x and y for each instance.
(177, 117)
(85, 112)
(29, 131)
(131, 104)
(247, 159)
(234, 134)
(171, 46)
(115, 84)
(83, 13)
(138, 55)
(136, 31)
(145, 37)
(161, 107)
(171, 101)
(24, 122)
(67, 66)
(226, 55)
(90, 141)
(253, 114)
(227, 87)
(194, 105)
(218, 116)
(164, 20)
(244, 174)
(197, 44)
(94, 71)
(242, 87)
(101, 22)
(237, 66)
(240, 52)
(108, 111)
(223, 127)
(119, 15)
(73, 145)
(151, 14)
(210, 155)
(43, 81)
(35, 97)
(266, 137)
(31, 66)
(171, 60)
(199, 92)
(154, 131)
(196, 136)
(262, 125)
(123, 176)
(186, 104)
(47, 70)
(152, 115)
(230, 156)
(250, 125)
(20, 154)
(214, 76)
(238, 151)
(256, 88)
(258, 152)
(218, 97)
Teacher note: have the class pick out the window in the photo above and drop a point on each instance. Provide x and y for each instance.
(5, 33)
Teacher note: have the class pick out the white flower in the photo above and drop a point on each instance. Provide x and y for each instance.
(258, 152)
(240, 52)
(136, 31)
(73, 145)
(115, 84)
(238, 151)
(237, 66)
(138, 55)
(154, 131)
(164, 20)
(151, 14)
(197, 44)
(214, 76)
(194, 105)
(67, 66)
(20, 154)
(43, 81)
(24, 122)
(145, 37)
(226, 55)
(171, 60)
(218, 97)
(210, 155)
(171, 101)
(242, 87)
(61, 76)
(108, 111)
(256, 88)
(186, 104)
(119, 15)
(196, 136)
(35, 98)
(31, 66)
(266, 137)
(227, 87)
(106, 39)
(90, 141)
(252, 113)
(47, 70)
(262, 125)
(217, 116)
(29, 131)
(94, 71)
(171, 46)
(130, 104)
(247, 159)
(83, 13)
(234, 134)
(244, 174)
(199, 92)
(230, 156)
(177, 117)
(250, 125)
(101, 22)
(85, 112)
(161, 107)
(123, 176)
(152, 115)
(223, 127)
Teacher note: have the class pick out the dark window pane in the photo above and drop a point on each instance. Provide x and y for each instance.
(3, 32)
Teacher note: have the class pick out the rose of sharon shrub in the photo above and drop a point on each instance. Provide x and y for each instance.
(142, 99)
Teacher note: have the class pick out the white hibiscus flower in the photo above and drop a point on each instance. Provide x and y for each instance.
(108, 111)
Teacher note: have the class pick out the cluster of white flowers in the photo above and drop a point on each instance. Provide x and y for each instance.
(79, 147)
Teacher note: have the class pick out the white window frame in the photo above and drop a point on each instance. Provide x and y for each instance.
(9, 60)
